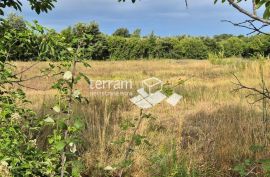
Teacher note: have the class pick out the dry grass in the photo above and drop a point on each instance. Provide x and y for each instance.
(212, 126)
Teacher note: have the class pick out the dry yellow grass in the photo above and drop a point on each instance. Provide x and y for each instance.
(212, 125)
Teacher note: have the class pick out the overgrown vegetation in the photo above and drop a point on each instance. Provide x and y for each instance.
(213, 131)
(124, 46)
(21, 128)
(200, 137)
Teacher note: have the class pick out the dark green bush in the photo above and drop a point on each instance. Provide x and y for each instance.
(257, 46)
(192, 48)
(212, 45)
(117, 47)
(233, 46)
(164, 48)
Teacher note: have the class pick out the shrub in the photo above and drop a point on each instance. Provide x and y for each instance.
(137, 48)
(94, 43)
(122, 32)
(233, 47)
(164, 48)
(213, 46)
(257, 46)
(121, 45)
(117, 48)
(192, 48)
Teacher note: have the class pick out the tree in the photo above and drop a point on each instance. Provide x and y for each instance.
(136, 33)
(122, 32)
(36, 5)
(67, 34)
(94, 43)
(152, 42)
(222, 37)
(16, 22)
(257, 46)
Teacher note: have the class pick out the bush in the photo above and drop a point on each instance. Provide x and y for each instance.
(23, 41)
(137, 48)
(233, 47)
(213, 46)
(127, 48)
(94, 43)
(257, 46)
(122, 32)
(117, 48)
(192, 48)
(164, 48)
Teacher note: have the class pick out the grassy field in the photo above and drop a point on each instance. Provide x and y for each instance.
(206, 134)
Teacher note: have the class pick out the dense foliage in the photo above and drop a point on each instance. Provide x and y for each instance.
(20, 152)
(123, 45)
(36, 5)
(20, 127)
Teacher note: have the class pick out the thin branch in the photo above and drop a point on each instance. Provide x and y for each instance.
(254, 7)
(35, 77)
(70, 103)
(20, 81)
(27, 69)
(251, 171)
(253, 16)
(249, 24)
(265, 94)
(32, 88)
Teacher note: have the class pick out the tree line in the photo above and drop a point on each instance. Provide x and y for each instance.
(23, 40)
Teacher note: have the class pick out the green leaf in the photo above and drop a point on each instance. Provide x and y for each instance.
(57, 109)
(77, 168)
(265, 165)
(241, 169)
(138, 139)
(62, 125)
(59, 146)
(126, 124)
(85, 64)
(78, 124)
(266, 14)
(85, 78)
(70, 49)
(49, 120)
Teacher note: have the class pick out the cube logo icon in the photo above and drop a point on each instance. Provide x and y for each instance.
(152, 94)
(152, 85)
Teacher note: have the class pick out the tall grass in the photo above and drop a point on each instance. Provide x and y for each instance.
(210, 131)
